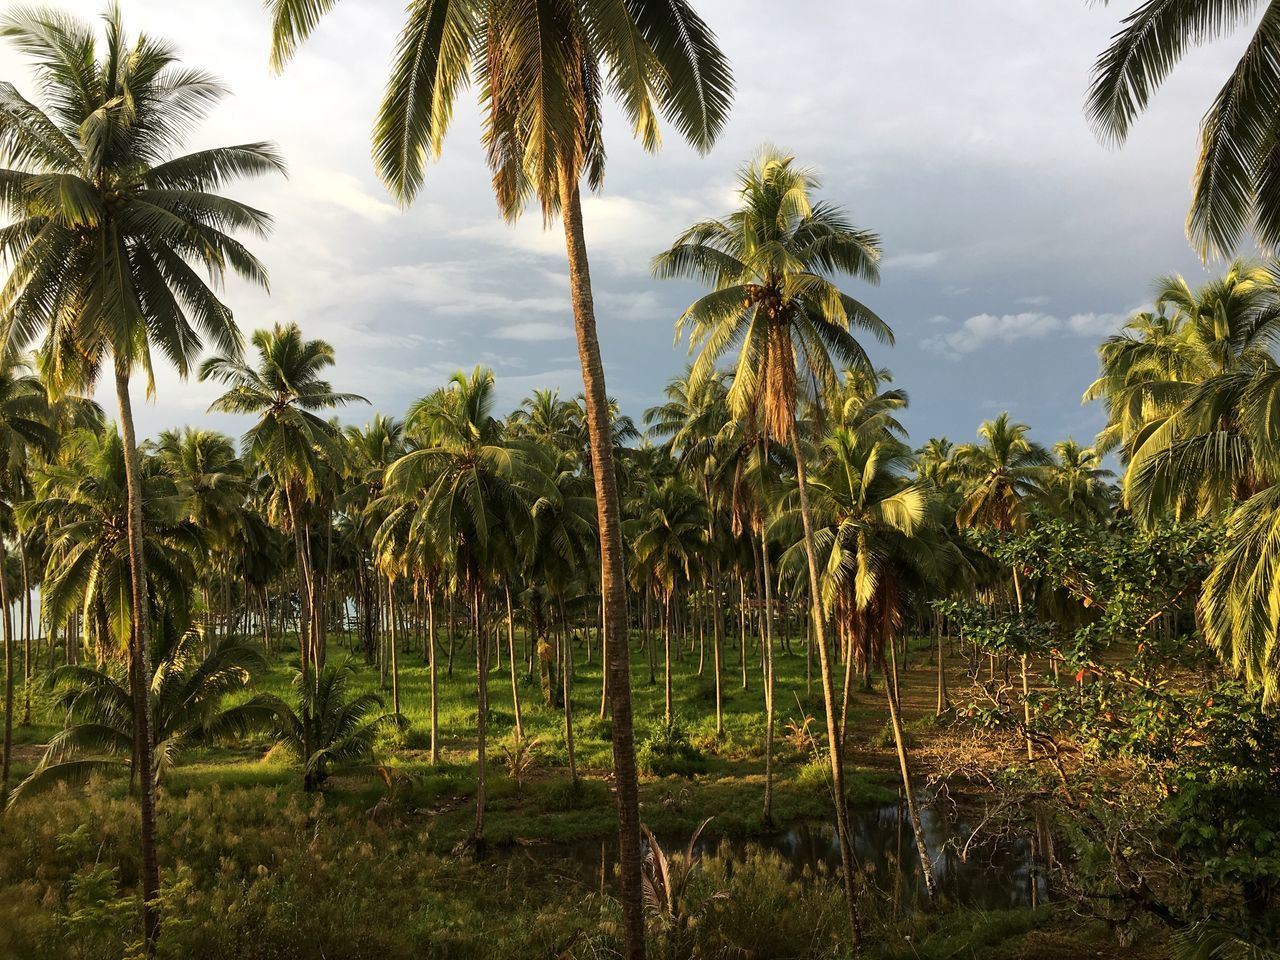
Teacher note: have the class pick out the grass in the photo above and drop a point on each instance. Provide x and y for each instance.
(726, 779)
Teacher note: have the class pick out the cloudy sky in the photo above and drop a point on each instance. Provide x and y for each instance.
(1013, 240)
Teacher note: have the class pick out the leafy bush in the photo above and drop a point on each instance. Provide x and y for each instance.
(667, 750)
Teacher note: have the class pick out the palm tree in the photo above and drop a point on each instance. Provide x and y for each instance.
(211, 480)
(107, 224)
(872, 526)
(1003, 472)
(477, 489)
(695, 421)
(1233, 187)
(189, 693)
(562, 545)
(668, 536)
(543, 73)
(1076, 485)
(1188, 390)
(294, 446)
(331, 725)
(769, 265)
(24, 428)
(1237, 607)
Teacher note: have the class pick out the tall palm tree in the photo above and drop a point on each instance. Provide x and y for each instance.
(1076, 485)
(1234, 187)
(477, 490)
(108, 225)
(561, 546)
(770, 264)
(667, 537)
(871, 523)
(543, 72)
(211, 480)
(695, 422)
(1004, 471)
(25, 428)
(294, 446)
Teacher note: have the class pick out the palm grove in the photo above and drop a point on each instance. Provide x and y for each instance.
(770, 515)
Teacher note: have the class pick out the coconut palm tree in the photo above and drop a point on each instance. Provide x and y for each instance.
(25, 428)
(695, 423)
(211, 480)
(871, 526)
(1188, 390)
(295, 447)
(561, 546)
(769, 265)
(668, 537)
(1076, 485)
(1233, 188)
(1003, 472)
(331, 726)
(477, 490)
(543, 74)
(189, 693)
(109, 222)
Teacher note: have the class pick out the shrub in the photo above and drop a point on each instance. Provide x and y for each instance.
(667, 750)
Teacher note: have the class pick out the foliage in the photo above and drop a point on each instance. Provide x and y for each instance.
(666, 750)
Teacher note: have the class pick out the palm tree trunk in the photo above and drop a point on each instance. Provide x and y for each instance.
(742, 628)
(511, 656)
(913, 810)
(828, 693)
(304, 587)
(140, 666)
(944, 702)
(8, 681)
(617, 657)
(395, 666)
(431, 643)
(482, 715)
(666, 653)
(566, 682)
(26, 632)
(1026, 687)
(764, 589)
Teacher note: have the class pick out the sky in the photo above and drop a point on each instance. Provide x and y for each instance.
(1013, 240)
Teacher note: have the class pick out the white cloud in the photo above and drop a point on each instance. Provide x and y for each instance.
(912, 261)
(986, 327)
(534, 330)
(1096, 324)
(1010, 327)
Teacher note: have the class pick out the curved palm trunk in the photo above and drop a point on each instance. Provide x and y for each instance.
(913, 809)
(511, 657)
(617, 657)
(140, 666)
(828, 694)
